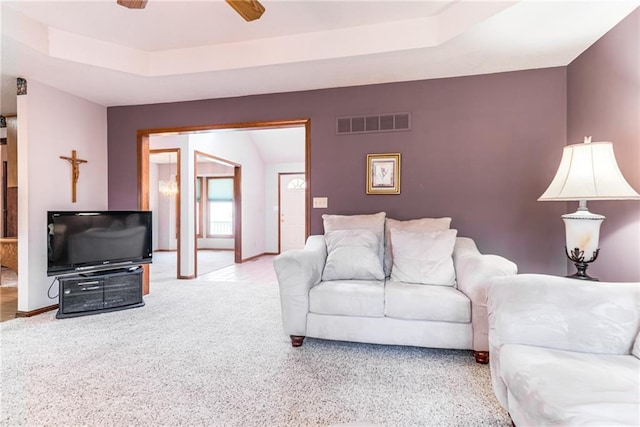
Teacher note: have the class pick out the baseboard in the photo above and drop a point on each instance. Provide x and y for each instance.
(216, 249)
(37, 311)
(192, 276)
(200, 249)
(253, 258)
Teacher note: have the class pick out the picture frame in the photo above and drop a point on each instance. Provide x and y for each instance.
(383, 173)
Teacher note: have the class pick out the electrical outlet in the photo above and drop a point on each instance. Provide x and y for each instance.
(320, 203)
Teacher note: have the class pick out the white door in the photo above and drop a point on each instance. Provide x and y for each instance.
(292, 211)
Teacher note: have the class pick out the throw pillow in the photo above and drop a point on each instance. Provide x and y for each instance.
(423, 257)
(417, 226)
(371, 222)
(352, 254)
(636, 347)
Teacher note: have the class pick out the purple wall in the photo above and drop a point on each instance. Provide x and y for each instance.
(603, 97)
(481, 150)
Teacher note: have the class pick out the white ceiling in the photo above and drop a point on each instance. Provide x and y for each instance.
(178, 50)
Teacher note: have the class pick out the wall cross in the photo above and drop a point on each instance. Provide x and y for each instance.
(75, 172)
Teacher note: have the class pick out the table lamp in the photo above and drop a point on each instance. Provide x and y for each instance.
(587, 171)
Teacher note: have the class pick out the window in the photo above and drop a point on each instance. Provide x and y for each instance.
(297, 184)
(215, 216)
(220, 206)
(221, 218)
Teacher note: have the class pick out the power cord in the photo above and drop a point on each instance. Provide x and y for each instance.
(49, 290)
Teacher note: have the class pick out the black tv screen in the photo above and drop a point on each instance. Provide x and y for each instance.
(86, 241)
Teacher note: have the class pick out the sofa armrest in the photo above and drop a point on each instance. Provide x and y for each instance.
(473, 271)
(297, 272)
(564, 313)
(560, 313)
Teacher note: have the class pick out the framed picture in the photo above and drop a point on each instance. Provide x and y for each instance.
(383, 173)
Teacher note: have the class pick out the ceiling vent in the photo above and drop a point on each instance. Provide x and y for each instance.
(391, 122)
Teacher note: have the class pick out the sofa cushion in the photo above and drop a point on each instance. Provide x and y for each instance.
(352, 254)
(557, 387)
(416, 225)
(636, 346)
(412, 301)
(371, 222)
(423, 257)
(348, 298)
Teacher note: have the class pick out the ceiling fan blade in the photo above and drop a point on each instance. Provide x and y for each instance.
(250, 10)
(133, 4)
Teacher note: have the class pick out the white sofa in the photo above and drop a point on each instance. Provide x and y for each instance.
(565, 351)
(383, 309)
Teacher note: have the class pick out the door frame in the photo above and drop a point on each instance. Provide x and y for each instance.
(178, 198)
(142, 137)
(237, 205)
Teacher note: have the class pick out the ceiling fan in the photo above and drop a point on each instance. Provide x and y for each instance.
(249, 9)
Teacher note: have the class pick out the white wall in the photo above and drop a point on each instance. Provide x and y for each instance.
(187, 212)
(51, 123)
(272, 210)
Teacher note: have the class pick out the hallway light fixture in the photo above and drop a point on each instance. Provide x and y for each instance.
(587, 171)
(169, 187)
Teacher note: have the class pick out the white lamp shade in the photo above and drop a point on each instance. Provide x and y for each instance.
(589, 171)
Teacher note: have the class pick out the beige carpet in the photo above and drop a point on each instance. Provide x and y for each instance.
(211, 352)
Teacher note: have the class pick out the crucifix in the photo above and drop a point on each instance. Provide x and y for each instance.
(75, 172)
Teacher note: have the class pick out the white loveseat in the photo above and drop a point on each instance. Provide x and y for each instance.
(352, 291)
(564, 351)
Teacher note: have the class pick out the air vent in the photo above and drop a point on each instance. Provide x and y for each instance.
(375, 123)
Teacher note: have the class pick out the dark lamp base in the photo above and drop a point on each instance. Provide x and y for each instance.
(577, 257)
(583, 277)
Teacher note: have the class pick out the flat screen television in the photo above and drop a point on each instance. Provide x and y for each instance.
(79, 242)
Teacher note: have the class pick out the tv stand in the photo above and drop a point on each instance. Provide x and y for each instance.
(112, 270)
(99, 292)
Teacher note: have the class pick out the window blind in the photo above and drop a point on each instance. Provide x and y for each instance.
(220, 189)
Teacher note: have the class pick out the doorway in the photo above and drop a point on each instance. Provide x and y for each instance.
(218, 209)
(252, 235)
(165, 203)
(9, 217)
(291, 197)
